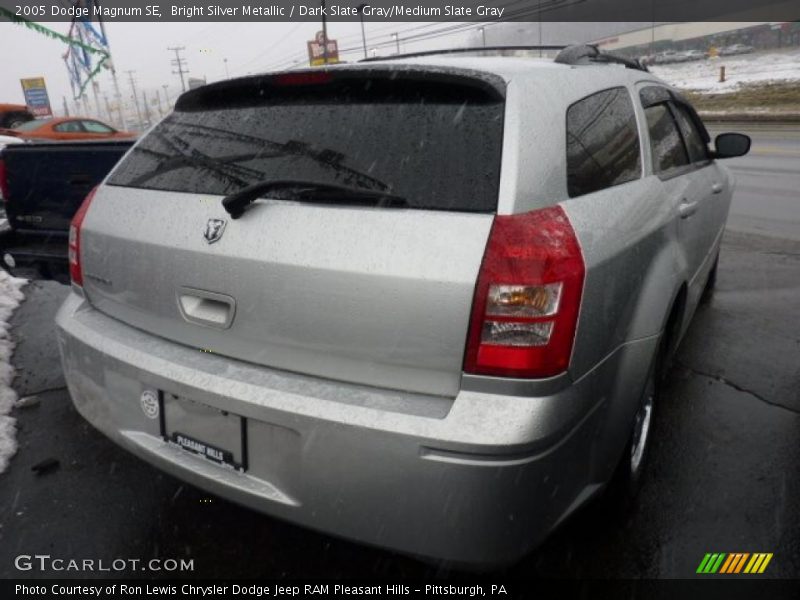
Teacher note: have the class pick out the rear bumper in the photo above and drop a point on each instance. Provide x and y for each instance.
(478, 479)
(45, 257)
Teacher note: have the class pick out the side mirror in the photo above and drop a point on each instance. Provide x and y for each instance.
(729, 145)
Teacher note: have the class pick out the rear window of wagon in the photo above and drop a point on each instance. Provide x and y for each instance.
(436, 144)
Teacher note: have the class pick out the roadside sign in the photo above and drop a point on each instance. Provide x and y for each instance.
(36, 96)
(316, 51)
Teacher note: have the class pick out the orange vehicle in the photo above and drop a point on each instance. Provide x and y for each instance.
(69, 128)
(14, 115)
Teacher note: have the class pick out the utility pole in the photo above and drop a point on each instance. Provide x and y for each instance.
(96, 92)
(483, 35)
(158, 102)
(361, 8)
(179, 63)
(539, 14)
(166, 97)
(108, 110)
(118, 95)
(135, 97)
(397, 41)
(146, 109)
(324, 35)
(111, 64)
(227, 74)
(66, 106)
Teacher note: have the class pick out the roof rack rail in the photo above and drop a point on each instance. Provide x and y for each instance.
(461, 51)
(581, 54)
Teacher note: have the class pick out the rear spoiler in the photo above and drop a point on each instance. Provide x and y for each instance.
(250, 90)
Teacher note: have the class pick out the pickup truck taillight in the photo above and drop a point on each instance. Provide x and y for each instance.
(3, 181)
(75, 270)
(527, 297)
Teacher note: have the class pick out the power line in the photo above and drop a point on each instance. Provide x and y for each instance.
(179, 63)
(439, 29)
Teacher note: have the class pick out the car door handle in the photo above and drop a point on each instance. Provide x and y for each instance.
(686, 209)
(716, 187)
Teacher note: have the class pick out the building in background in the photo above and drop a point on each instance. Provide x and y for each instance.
(637, 38)
(703, 36)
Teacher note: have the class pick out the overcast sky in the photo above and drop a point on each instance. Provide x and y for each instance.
(248, 47)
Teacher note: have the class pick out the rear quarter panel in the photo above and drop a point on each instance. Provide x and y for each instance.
(634, 267)
(628, 233)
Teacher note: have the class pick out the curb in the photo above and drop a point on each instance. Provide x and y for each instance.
(750, 117)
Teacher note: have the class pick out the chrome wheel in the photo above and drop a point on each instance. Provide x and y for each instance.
(641, 426)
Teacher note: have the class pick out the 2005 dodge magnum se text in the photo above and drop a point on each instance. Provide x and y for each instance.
(423, 303)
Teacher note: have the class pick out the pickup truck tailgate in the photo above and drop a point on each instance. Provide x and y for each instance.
(47, 182)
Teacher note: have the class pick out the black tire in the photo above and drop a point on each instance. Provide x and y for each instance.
(711, 282)
(620, 495)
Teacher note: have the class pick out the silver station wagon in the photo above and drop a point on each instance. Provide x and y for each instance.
(424, 303)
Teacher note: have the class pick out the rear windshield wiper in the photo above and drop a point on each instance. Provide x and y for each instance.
(236, 203)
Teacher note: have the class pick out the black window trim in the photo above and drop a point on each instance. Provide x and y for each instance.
(672, 99)
(638, 136)
(677, 102)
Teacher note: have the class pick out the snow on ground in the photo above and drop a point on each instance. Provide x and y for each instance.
(761, 67)
(10, 297)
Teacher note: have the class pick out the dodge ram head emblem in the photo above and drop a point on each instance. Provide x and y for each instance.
(214, 230)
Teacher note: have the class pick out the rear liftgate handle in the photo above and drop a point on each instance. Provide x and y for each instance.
(206, 308)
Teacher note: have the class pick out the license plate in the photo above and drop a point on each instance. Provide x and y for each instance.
(206, 431)
(197, 447)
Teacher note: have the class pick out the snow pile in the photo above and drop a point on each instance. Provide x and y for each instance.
(10, 297)
(703, 75)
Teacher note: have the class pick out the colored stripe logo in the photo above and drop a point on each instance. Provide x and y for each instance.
(734, 563)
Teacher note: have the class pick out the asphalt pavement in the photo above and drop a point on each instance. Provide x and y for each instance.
(767, 197)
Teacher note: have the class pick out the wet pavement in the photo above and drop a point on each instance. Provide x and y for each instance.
(767, 179)
(723, 475)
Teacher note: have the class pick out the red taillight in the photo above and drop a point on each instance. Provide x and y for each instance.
(527, 297)
(3, 181)
(75, 270)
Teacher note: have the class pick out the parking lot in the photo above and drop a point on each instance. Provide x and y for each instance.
(724, 474)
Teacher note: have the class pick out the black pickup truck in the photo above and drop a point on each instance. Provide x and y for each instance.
(42, 185)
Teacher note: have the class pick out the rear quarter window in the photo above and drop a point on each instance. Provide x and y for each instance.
(438, 145)
(602, 142)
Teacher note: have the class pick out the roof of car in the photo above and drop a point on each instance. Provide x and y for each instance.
(572, 78)
(13, 107)
(505, 66)
(509, 67)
